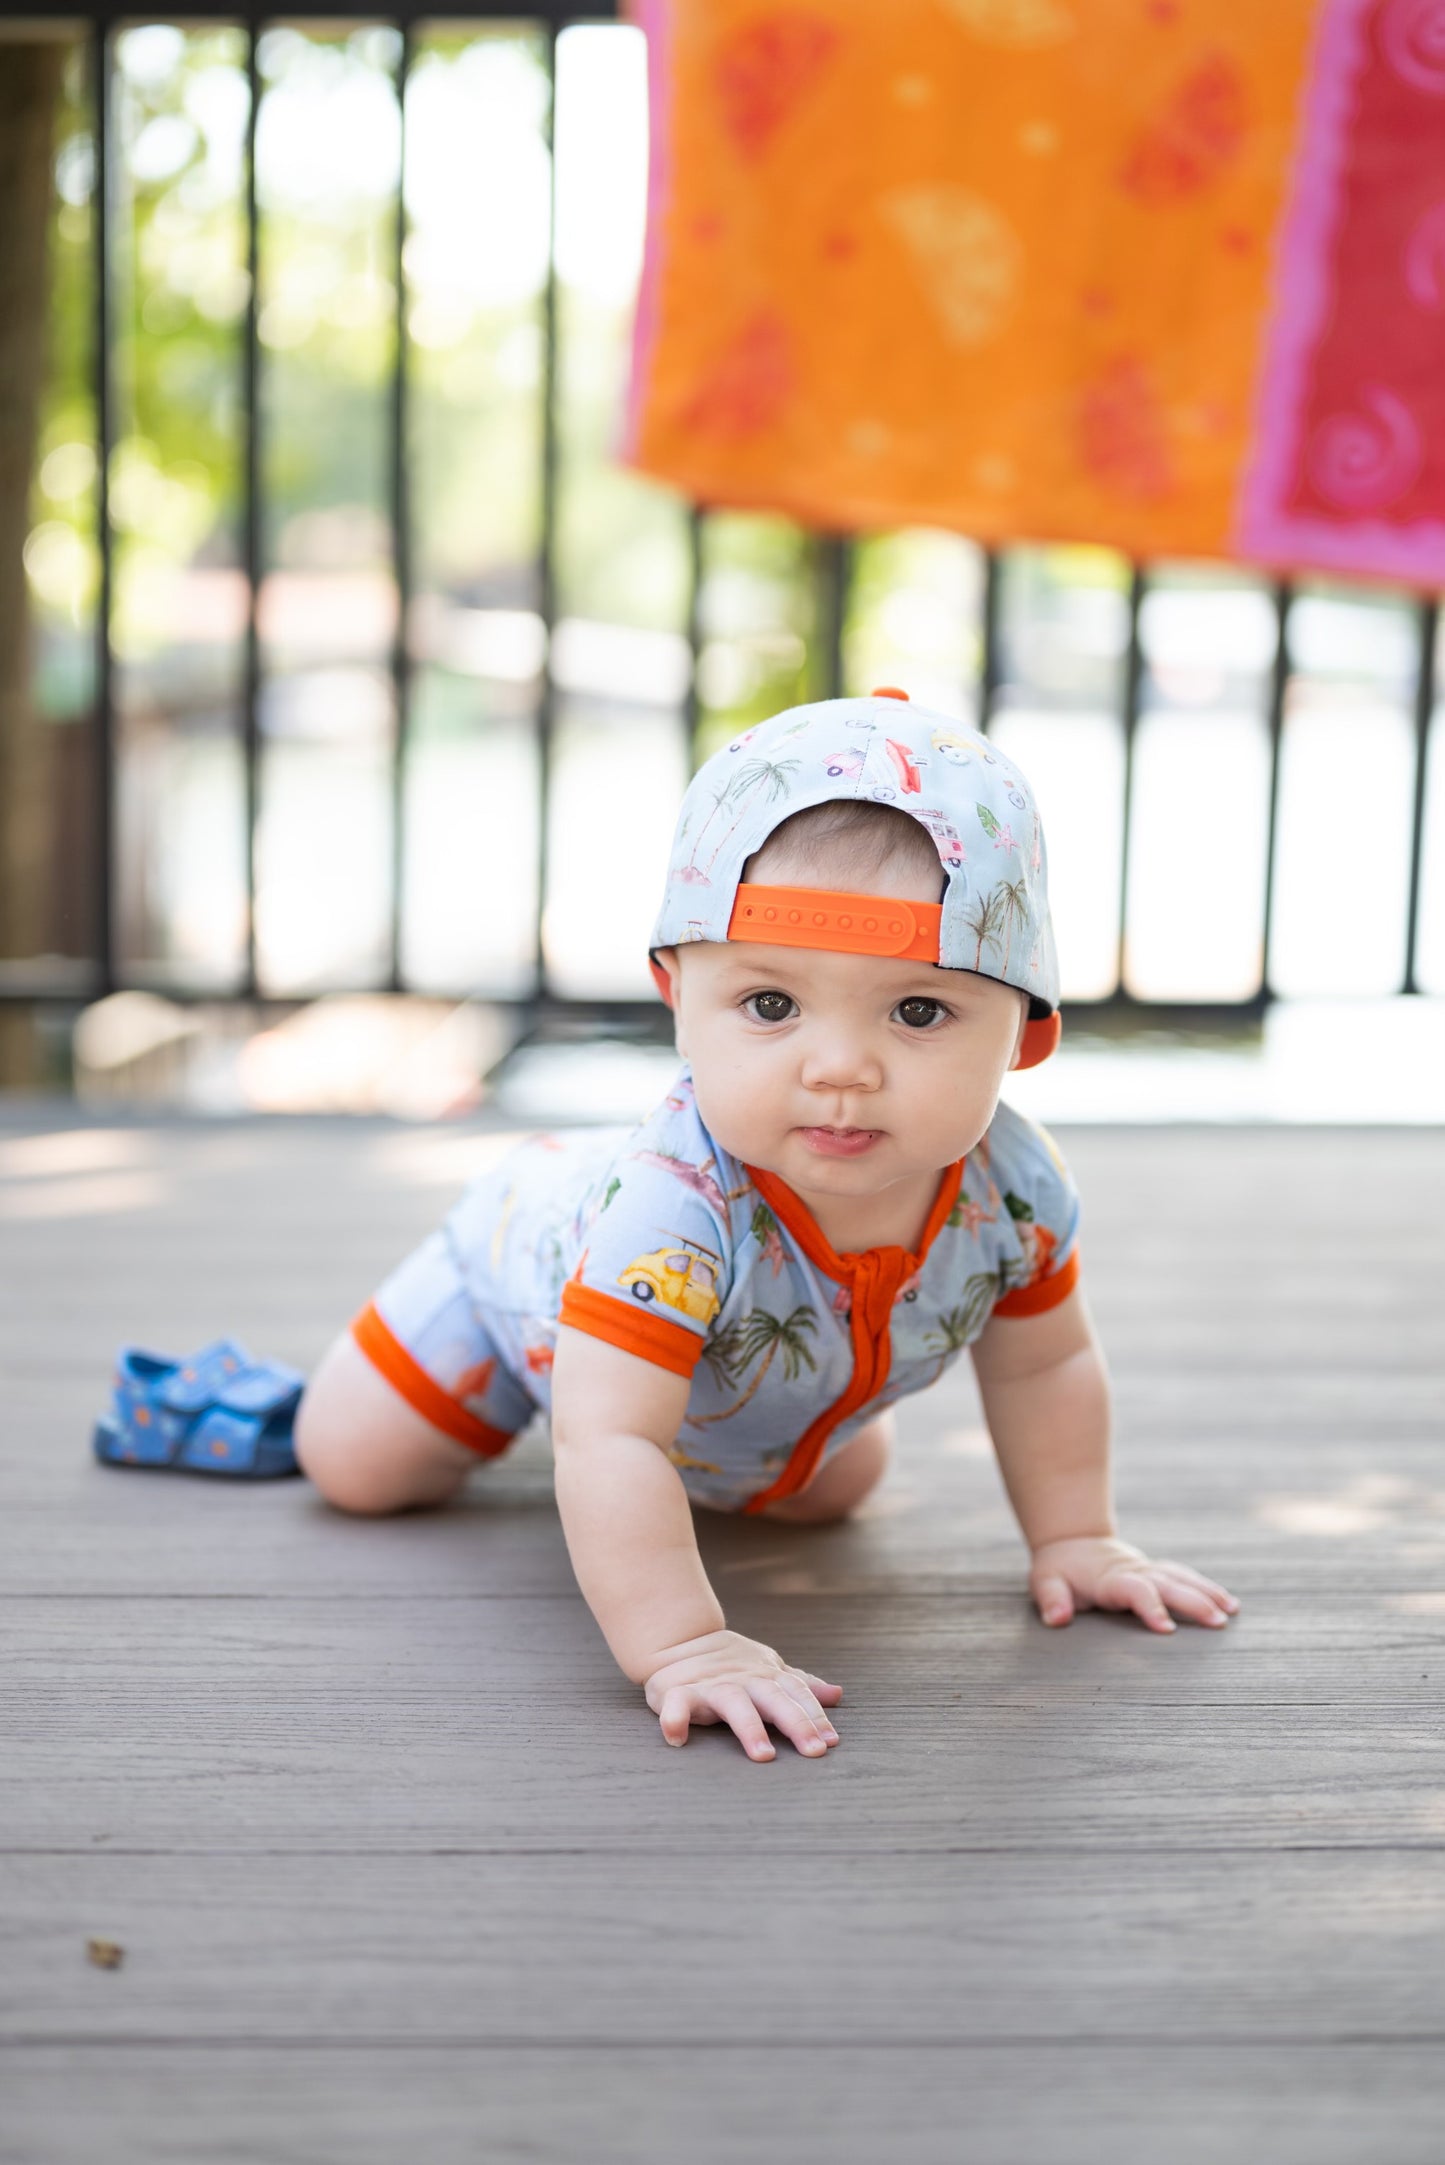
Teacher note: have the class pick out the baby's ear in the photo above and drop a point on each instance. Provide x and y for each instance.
(1023, 1025)
(667, 974)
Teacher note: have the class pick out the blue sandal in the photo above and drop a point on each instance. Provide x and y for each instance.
(217, 1412)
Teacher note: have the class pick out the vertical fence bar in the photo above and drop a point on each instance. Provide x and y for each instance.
(400, 508)
(546, 571)
(1278, 689)
(692, 702)
(1133, 689)
(831, 563)
(102, 201)
(251, 534)
(990, 674)
(1429, 619)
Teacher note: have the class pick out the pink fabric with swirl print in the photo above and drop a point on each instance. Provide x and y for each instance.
(1350, 468)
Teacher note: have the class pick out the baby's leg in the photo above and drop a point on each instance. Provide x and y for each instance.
(364, 1447)
(844, 1481)
(412, 1398)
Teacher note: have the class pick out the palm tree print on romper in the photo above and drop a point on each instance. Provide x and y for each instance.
(730, 1354)
(772, 774)
(958, 1327)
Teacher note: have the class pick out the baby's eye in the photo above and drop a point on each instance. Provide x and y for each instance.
(771, 1006)
(920, 1014)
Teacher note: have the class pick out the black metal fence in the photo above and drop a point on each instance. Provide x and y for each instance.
(832, 560)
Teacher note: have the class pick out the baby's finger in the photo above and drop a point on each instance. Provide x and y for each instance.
(1055, 1600)
(1191, 1577)
(1190, 1601)
(675, 1714)
(1132, 1590)
(810, 1731)
(826, 1694)
(732, 1704)
(795, 1684)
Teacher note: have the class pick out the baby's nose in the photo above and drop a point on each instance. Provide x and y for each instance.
(841, 1063)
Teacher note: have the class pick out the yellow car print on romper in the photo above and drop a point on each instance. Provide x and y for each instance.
(683, 1277)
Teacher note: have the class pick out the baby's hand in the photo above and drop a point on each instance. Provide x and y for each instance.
(1097, 1572)
(725, 1677)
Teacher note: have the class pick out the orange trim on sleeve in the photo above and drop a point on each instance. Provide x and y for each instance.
(632, 1330)
(1035, 1300)
(422, 1392)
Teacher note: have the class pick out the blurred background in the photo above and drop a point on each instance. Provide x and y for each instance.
(349, 683)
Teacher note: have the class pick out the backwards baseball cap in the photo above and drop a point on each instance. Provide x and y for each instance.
(973, 803)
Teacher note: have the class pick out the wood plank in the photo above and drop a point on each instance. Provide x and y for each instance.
(858, 1948)
(561, 1766)
(160, 1659)
(625, 2104)
(1338, 1519)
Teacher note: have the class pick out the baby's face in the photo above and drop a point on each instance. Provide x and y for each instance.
(843, 1074)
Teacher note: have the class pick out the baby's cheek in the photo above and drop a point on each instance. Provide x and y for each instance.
(740, 1103)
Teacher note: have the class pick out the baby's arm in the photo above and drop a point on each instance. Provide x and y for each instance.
(629, 1533)
(1046, 1399)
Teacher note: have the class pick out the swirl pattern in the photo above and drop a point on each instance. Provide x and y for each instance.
(1412, 39)
(1425, 260)
(1366, 461)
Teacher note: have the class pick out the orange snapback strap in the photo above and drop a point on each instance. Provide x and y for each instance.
(845, 924)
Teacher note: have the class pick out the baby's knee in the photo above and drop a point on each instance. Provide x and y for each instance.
(326, 1453)
(843, 1484)
(364, 1449)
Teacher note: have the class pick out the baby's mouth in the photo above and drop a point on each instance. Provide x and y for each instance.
(840, 1142)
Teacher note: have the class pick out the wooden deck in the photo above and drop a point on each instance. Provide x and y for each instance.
(403, 1871)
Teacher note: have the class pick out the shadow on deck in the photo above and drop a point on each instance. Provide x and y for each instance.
(403, 1870)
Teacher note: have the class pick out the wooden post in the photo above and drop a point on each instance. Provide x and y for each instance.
(30, 81)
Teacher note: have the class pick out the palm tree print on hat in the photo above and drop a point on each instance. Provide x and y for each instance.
(983, 923)
(731, 1353)
(770, 774)
(689, 872)
(1014, 902)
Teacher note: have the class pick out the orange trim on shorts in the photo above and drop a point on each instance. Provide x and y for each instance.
(1035, 1300)
(632, 1330)
(422, 1392)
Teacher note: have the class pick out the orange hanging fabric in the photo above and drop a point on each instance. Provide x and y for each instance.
(1163, 274)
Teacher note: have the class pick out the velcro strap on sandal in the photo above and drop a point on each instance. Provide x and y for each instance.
(202, 1379)
(220, 1437)
(225, 1375)
(264, 1388)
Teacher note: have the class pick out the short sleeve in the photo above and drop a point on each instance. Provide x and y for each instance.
(654, 1263)
(1042, 1202)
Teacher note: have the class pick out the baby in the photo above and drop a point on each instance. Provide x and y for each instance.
(721, 1306)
